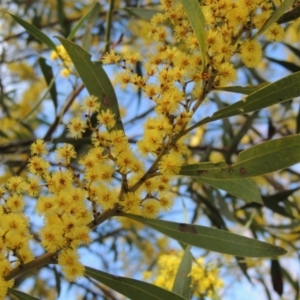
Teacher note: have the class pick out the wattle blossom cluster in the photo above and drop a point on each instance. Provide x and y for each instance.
(71, 196)
(205, 281)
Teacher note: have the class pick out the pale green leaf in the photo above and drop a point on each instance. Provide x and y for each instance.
(258, 160)
(95, 79)
(182, 282)
(142, 13)
(211, 238)
(247, 90)
(197, 21)
(94, 10)
(279, 11)
(241, 188)
(35, 32)
(20, 295)
(131, 288)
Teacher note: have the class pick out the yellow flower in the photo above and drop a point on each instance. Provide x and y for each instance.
(46, 205)
(16, 184)
(38, 147)
(38, 166)
(150, 208)
(111, 58)
(77, 127)
(52, 238)
(170, 164)
(72, 273)
(107, 118)
(66, 152)
(251, 53)
(275, 33)
(90, 104)
(15, 203)
(106, 197)
(131, 202)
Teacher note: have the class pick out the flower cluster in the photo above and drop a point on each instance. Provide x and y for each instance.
(205, 279)
(71, 195)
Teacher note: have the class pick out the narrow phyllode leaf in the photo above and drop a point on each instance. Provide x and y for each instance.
(275, 16)
(276, 275)
(197, 21)
(241, 188)
(62, 19)
(95, 79)
(295, 50)
(142, 13)
(211, 238)
(131, 288)
(49, 78)
(273, 93)
(260, 159)
(247, 90)
(182, 282)
(94, 9)
(20, 295)
(285, 64)
(35, 32)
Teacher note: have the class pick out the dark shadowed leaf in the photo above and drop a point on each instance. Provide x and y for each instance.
(276, 276)
(290, 15)
(62, 19)
(285, 64)
(142, 13)
(131, 288)
(212, 239)
(48, 75)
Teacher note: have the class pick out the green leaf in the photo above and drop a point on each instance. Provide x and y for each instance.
(279, 11)
(273, 93)
(241, 188)
(62, 19)
(276, 275)
(247, 90)
(35, 32)
(94, 9)
(49, 78)
(131, 288)
(290, 15)
(212, 239)
(95, 79)
(260, 159)
(197, 21)
(92, 19)
(3, 134)
(235, 141)
(182, 282)
(285, 64)
(20, 295)
(142, 13)
(295, 50)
